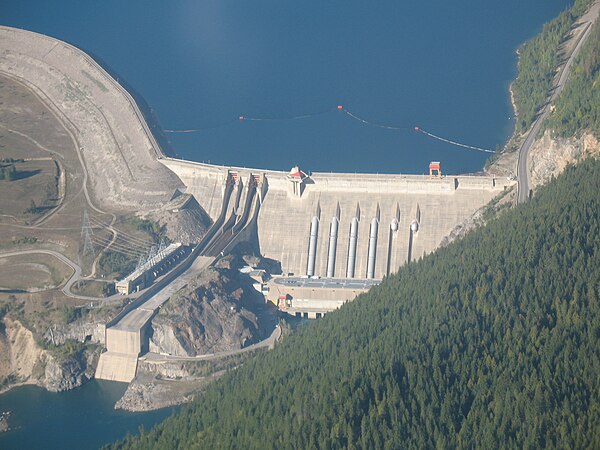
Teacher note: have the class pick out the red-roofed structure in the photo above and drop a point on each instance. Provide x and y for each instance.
(297, 177)
(435, 166)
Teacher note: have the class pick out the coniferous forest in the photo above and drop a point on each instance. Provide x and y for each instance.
(492, 342)
(578, 108)
(538, 59)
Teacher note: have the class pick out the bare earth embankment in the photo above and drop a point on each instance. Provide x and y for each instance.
(118, 151)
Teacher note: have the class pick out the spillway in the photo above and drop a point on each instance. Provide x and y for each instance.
(312, 246)
(333, 235)
(372, 248)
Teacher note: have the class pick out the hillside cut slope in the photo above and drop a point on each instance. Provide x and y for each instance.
(492, 342)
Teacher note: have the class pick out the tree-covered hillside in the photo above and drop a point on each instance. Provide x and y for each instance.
(578, 107)
(492, 342)
(538, 60)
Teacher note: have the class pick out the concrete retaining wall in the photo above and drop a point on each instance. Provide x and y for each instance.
(123, 341)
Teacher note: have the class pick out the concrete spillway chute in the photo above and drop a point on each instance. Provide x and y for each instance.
(372, 247)
(331, 251)
(312, 246)
(353, 239)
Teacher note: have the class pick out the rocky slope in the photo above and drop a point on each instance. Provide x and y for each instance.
(19, 351)
(63, 374)
(154, 385)
(550, 156)
(183, 219)
(213, 314)
(23, 361)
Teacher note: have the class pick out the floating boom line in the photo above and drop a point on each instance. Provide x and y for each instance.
(373, 124)
(197, 130)
(329, 110)
(284, 118)
(439, 138)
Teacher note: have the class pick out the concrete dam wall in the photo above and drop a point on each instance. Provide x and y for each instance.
(347, 225)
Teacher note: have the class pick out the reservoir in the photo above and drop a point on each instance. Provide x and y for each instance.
(83, 418)
(200, 65)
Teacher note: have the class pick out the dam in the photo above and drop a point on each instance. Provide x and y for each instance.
(362, 226)
(341, 233)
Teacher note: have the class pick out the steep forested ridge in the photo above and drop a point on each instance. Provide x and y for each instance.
(578, 106)
(493, 341)
(538, 59)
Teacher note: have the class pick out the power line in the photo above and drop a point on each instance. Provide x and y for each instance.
(86, 236)
(128, 236)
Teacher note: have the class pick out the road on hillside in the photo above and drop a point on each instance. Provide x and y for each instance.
(74, 278)
(522, 172)
(268, 342)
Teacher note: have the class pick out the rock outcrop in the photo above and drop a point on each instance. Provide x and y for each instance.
(69, 373)
(80, 331)
(550, 156)
(23, 361)
(183, 219)
(4, 425)
(211, 315)
(148, 396)
(19, 351)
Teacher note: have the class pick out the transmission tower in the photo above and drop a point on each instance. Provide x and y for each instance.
(86, 236)
(141, 262)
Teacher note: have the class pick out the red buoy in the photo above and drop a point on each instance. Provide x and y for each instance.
(241, 117)
(340, 107)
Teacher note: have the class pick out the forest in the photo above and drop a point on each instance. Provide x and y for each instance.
(578, 107)
(538, 60)
(491, 342)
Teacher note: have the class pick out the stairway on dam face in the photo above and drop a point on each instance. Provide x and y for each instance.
(284, 221)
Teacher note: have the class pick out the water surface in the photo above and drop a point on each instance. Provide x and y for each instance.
(444, 66)
(83, 418)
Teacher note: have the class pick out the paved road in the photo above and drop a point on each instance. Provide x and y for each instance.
(522, 172)
(137, 318)
(329, 283)
(268, 342)
(74, 278)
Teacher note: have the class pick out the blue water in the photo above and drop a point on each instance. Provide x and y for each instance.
(442, 65)
(80, 419)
